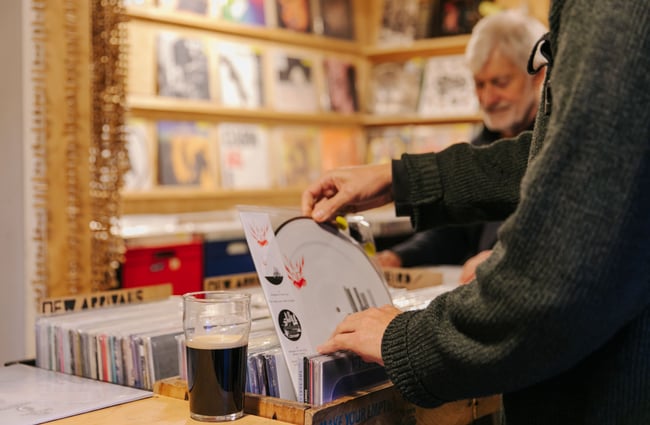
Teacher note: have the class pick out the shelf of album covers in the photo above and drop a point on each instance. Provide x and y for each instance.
(279, 35)
(162, 108)
(184, 200)
(399, 120)
(157, 107)
(438, 46)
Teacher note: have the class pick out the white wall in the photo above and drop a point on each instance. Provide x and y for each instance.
(13, 125)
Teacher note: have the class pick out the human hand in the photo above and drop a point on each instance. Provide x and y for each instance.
(388, 258)
(347, 190)
(362, 333)
(468, 273)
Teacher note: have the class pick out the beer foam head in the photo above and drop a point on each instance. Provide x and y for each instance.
(216, 341)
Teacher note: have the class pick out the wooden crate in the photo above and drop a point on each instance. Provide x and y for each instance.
(378, 406)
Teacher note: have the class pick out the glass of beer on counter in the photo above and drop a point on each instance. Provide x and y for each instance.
(216, 326)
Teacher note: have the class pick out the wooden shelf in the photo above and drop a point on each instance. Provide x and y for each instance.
(182, 200)
(166, 108)
(383, 121)
(279, 35)
(428, 47)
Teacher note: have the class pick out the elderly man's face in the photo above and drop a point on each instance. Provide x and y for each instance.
(508, 96)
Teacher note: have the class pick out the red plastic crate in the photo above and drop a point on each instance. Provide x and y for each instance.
(179, 264)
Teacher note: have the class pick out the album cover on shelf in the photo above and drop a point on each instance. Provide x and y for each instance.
(240, 75)
(333, 18)
(434, 138)
(455, 17)
(399, 20)
(294, 15)
(139, 145)
(387, 143)
(341, 147)
(294, 88)
(447, 88)
(182, 67)
(249, 12)
(341, 83)
(395, 87)
(199, 7)
(296, 155)
(244, 156)
(186, 154)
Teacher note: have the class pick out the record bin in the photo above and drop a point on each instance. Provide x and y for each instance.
(381, 405)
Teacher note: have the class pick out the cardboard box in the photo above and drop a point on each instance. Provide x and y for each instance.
(226, 257)
(179, 264)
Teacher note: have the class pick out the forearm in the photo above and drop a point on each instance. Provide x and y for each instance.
(461, 184)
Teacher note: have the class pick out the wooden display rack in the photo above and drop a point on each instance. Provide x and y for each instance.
(380, 405)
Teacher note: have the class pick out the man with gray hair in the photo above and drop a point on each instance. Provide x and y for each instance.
(497, 54)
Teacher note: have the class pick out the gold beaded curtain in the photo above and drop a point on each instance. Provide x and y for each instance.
(79, 151)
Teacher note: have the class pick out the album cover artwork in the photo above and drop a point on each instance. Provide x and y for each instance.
(244, 156)
(455, 17)
(186, 154)
(182, 67)
(293, 15)
(447, 88)
(200, 7)
(296, 153)
(395, 87)
(399, 21)
(341, 147)
(240, 75)
(139, 147)
(340, 79)
(250, 12)
(387, 143)
(294, 84)
(334, 18)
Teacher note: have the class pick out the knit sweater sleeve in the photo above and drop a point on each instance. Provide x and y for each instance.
(461, 184)
(571, 266)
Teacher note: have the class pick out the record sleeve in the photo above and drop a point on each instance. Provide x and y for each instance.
(139, 145)
(399, 21)
(293, 15)
(341, 82)
(294, 86)
(387, 143)
(182, 67)
(447, 88)
(342, 373)
(240, 75)
(334, 18)
(244, 156)
(186, 154)
(341, 147)
(250, 12)
(199, 7)
(296, 155)
(30, 395)
(313, 275)
(395, 87)
(455, 17)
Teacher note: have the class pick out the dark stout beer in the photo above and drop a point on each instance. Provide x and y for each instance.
(216, 376)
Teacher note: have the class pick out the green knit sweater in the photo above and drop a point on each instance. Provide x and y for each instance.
(558, 319)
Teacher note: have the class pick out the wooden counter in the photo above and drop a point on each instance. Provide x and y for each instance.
(159, 410)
